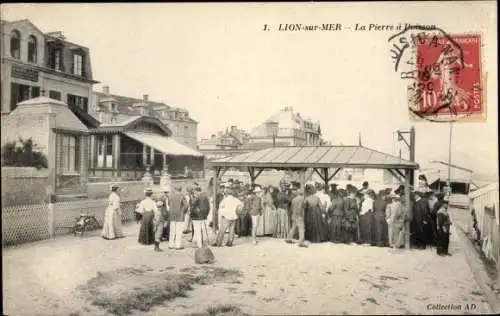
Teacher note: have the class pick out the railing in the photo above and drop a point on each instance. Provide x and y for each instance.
(27, 223)
(484, 224)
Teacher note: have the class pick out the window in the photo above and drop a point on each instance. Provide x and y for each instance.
(69, 153)
(78, 64)
(32, 49)
(15, 44)
(105, 151)
(56, 95)
(186, 130)
(20, 92)
(55, 57)
(78, 101)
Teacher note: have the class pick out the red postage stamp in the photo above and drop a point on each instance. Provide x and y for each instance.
(449, 85)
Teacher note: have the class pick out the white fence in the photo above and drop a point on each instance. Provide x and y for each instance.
(26, 223)
(485, 203)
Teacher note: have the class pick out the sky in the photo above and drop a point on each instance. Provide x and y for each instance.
(216, 61)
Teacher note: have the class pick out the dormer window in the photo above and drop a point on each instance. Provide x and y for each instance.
(78, 63)
(15, 44)
(55, 57)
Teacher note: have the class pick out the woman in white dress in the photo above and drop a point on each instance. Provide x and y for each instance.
(112, 227)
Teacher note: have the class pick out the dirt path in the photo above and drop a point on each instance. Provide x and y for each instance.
(277, 278)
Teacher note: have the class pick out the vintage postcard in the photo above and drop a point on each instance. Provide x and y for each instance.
(312, 158)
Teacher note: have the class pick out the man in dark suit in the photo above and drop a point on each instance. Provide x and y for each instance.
(178, 206)
(421, 218)
(200, 207)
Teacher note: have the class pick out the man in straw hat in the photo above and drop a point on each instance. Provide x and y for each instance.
(228, 209)
(256, 208)
(297, 217)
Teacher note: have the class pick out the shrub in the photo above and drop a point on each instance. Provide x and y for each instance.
(21, 154)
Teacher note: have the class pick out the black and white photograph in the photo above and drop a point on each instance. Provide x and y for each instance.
(250, 158)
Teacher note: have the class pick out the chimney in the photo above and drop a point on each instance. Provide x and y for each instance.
(145, 97)
(105, 89)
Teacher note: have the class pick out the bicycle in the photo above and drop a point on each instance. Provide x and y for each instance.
(85, 222)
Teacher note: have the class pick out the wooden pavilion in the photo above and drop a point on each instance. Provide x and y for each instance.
(326, 161)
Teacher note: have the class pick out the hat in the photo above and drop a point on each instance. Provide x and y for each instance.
(257, 189)
(365, 183)
(222, 184)
(227, 185)
(165, 189)
(114, 185)
(148, 190)
(394, 195)
(159, 203)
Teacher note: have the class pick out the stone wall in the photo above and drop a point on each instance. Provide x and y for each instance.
(24, 185)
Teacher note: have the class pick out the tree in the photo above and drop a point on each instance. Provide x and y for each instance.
(20, 154)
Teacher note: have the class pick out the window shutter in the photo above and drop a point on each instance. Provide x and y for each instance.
(35, 92)
(85, 104)
(84, 73)
(63, 69)
(14, 95)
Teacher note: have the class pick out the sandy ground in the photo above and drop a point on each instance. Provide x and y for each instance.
(41, 278)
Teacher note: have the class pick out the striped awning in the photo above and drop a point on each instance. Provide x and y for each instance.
(164, 144)
(316, 157)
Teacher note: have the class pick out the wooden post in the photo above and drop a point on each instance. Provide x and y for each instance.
(51, 220)
(409, 208)
(325, 172)
(251, 171)
(116, 154)
(302, 178)
(215, 211)
(144, 155)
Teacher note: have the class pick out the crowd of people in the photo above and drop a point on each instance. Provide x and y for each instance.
(315, 212)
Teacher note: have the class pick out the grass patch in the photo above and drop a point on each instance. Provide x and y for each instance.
(250, 292)
(388, 277)
(221, 310)
(372, 300)
(121, 291)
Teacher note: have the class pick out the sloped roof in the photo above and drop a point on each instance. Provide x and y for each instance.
(126, 105)
(65, 119)
(132, 121)
(317, 157)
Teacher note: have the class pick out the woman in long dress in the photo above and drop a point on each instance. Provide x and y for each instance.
(283, 206)
(269, 212)
(366, 218)
(112, 227)
(315, 230)
(335, 214)
(147, 208)
(396, 214)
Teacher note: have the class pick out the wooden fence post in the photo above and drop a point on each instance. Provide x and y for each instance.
(51, 220)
